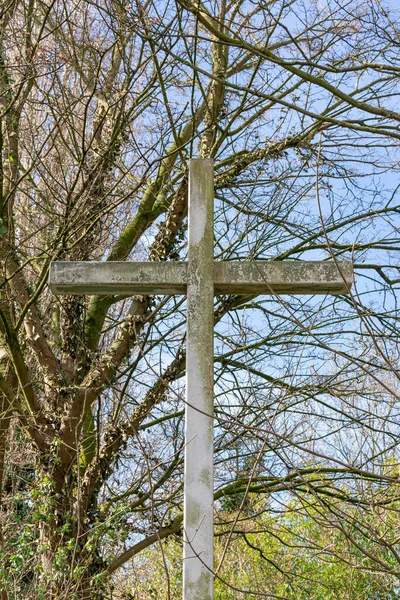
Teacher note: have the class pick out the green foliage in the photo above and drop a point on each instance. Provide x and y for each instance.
(296, 555)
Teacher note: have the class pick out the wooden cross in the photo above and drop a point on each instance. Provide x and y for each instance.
(200, 278)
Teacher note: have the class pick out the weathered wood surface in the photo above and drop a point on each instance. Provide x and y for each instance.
(198, 511)
(294, 277)
(200, 278)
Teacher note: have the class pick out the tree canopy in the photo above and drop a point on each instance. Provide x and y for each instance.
(102, 103)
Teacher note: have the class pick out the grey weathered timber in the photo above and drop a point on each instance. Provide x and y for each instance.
(272, 277)
(118, 278)
(200, 278)
(198, 527)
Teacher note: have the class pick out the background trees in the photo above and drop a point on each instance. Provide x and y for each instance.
(102, 105)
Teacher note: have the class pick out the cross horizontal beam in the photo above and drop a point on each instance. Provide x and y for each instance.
(130, 278)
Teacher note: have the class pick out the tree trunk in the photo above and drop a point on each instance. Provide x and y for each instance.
(68, 570)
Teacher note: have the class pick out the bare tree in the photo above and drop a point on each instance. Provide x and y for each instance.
(102, 103)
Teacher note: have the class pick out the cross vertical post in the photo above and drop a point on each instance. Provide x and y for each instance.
(198, 527)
